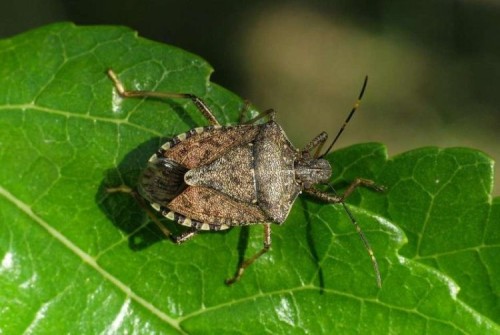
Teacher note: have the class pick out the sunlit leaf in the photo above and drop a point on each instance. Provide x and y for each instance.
(75, 259)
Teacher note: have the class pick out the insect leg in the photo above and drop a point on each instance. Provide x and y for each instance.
(199, 103)
(244, 110)
(334, 198)
(364, 183)
(144, 206)
(271, 113)
(324, 196)
(249, 261)
(318, 142)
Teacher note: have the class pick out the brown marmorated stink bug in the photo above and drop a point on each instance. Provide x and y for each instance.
(216, 177)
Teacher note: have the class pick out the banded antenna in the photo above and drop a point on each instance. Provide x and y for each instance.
(368, 247)
(353, 110)
(347, 210)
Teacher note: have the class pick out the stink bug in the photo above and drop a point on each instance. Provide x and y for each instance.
(216, 177)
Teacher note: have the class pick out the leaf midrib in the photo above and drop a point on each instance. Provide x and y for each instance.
(88, 259)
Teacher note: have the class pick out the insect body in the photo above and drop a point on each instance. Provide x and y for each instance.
(217, 177)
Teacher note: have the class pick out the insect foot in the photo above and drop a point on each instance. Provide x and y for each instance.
(216, 177)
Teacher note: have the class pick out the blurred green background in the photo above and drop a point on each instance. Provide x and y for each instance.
(434, 66)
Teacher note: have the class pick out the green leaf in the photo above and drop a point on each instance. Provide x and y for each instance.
(441, 199)
(75, 259)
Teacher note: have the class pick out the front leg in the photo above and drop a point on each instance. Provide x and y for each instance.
(317, 143)
(334, 198)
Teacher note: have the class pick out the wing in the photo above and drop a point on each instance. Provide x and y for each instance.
(212, 207)
(201, 146)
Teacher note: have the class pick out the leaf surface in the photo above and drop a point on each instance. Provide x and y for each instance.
(75, 259)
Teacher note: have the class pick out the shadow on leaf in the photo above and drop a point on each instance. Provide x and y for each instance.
(122, 209)
(311, 244)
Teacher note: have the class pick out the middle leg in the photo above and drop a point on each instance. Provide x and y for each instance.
(249, 261)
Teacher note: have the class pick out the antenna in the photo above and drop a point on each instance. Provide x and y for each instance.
(354, 108)
(363, 238)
